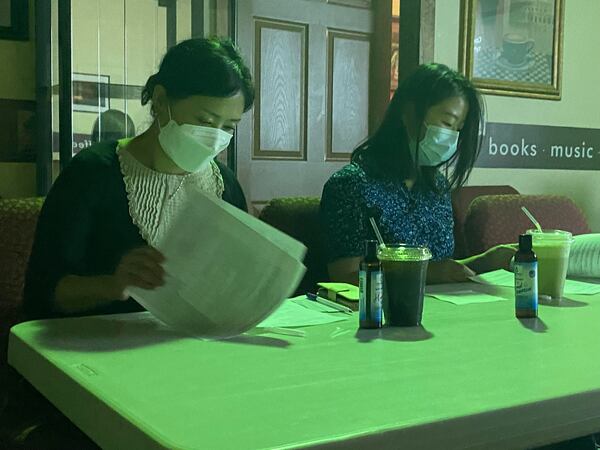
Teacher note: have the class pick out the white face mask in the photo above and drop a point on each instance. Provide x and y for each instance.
(437, 147)
(192, 147)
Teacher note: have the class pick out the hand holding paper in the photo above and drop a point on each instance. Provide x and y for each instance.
(226, 270)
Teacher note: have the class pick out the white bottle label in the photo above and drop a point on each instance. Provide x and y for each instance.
(526, 286)
(362, 294)
(375, 293)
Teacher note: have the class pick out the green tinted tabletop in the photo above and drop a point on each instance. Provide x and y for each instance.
(473, 377)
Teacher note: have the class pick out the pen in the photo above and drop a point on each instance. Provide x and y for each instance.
(286, 331)
(329, 303)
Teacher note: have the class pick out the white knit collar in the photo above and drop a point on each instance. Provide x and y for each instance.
(154, 196)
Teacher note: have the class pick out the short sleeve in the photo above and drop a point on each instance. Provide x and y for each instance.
(343, 216)
(233, 193)
(62, 235)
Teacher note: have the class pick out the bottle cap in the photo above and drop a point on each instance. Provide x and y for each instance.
(525, 242)
(403, 252)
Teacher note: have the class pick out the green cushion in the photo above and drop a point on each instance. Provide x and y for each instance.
(299, 218)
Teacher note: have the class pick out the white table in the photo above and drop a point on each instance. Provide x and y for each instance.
(475, 377)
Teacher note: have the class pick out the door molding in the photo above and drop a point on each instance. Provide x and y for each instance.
(364, 4)
(416, 46)
(380, 64)
(417, 35)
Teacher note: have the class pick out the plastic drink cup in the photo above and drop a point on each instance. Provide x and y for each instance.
(552, 248)
(404, 277)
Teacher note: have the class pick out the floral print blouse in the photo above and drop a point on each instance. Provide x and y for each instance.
(410, 216)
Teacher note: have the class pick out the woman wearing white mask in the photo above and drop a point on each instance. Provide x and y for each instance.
(112, 204)
(400, 175)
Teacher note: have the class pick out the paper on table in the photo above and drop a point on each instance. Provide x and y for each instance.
(313, 305)
(300, 312)
(467, 297)
(506, 278)
(226, 270)
(496, 278)
(348, 291)
(575, 287)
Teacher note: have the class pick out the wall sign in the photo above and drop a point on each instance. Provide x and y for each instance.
(539, 147)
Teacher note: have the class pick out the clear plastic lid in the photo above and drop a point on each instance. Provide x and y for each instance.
(402, 252)
(550, 235)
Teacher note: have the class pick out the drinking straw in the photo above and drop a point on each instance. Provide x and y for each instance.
(535, 222)
(377, 233)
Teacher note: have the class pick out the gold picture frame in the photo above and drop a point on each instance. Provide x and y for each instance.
(513, 47)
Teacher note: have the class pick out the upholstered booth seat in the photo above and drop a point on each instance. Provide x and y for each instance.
(27, 420)
(18, 218)
(299, 218)
(461, 200)
(498, 219)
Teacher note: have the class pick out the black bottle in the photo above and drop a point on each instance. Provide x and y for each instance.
(370, 303)
(526, 282)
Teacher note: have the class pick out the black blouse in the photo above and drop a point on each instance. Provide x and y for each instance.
(85, 228)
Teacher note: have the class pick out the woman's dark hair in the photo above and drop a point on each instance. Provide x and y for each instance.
(386, 153)
(112, 125)
(206, 66)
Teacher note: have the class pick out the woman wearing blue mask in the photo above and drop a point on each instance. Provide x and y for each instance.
(110, 206)
(403, 174)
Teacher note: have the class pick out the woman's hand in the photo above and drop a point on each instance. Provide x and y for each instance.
(499, 257)
(141, 267)
(448, 271)
(495, 258)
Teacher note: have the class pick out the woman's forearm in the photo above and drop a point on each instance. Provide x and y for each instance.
(495, 258)
(344, 270)
(74, 294)
(477, 263)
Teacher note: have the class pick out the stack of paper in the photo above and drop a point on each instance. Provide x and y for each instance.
(466, 297)
(507, 279)
(226, 270)
(585, 256)
(301, 312)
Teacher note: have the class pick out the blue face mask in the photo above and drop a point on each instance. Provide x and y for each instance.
(437, 147)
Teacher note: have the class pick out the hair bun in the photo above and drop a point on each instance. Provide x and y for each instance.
(148, 90)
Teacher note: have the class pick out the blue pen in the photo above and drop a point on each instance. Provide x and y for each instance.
(323, 301)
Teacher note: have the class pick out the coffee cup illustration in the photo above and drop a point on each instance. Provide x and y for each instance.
(516, 48)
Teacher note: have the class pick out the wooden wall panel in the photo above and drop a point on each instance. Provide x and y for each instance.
(281, 75)
(348, 92)
(365, 4)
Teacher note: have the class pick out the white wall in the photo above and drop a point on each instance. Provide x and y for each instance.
(579, 107)
(125, 40)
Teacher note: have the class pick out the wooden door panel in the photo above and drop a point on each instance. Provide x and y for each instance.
(310, 59)
(280, 76)
(348, 93)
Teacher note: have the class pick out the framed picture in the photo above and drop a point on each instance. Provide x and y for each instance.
(513, 47)
(18, 119)
(14, 19)
(91, 93)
